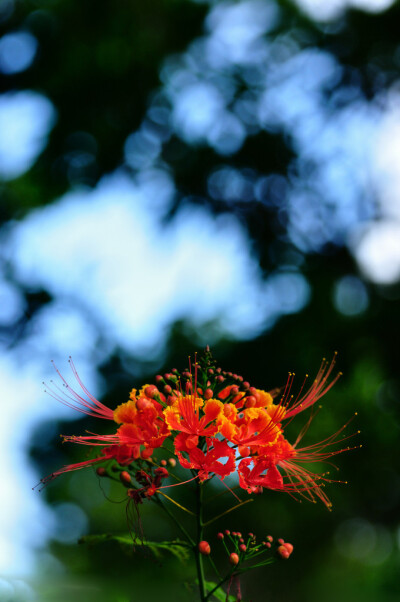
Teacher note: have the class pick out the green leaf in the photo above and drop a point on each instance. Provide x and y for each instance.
(179, 549)
(219, 593)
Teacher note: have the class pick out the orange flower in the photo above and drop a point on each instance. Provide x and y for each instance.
(292, 476)
(184, 416)
(206, 463)
(252, 426)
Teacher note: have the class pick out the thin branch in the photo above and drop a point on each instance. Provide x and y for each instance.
(227, 512)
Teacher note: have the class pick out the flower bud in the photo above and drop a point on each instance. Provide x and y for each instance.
(167, 389)
(204, 548)
(101, 471)
(163, 462)
(125, 477)
(150, 391)
(242, 547)
(234, 558)
(270, 538)
(143, 403)
(220, 379)
(246, 384)
(227, 532)
(289, 547)
(208, 393)
(283, 552)
(172, 462)
(234, 390)
(250, 401)
(281, 541)
(159, 378)
(220, 536)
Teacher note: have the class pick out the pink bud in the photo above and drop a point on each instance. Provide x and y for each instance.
(143, 403)
(281, 541)
(204, 548)
(227, 532)
(150, 391)
(208, 393)
(172, 462)
(234, 558)
(250, 401)
(163, 462)
(242, 547)
(289, 547)
(101, 471)
(283, 552)
(220, 536)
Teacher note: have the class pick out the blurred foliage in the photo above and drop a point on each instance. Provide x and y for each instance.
(99, 64)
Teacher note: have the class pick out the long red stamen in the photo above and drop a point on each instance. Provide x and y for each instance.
(91, 406)
(319, 388)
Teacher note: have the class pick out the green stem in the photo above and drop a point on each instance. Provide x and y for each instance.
(220, 583)
(214, 567)
(199, 557)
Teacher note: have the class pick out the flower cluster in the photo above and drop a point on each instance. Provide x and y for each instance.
(217, 424)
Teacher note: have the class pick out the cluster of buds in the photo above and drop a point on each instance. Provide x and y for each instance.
(243, 548)
(285, 549)
(141, 484)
